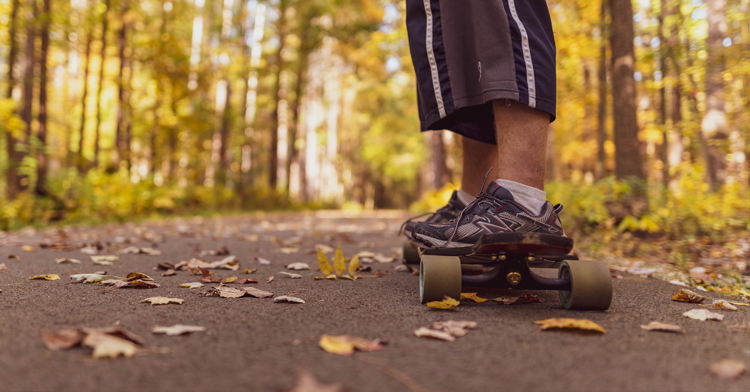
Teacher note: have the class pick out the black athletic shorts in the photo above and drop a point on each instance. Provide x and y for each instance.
(467, 53)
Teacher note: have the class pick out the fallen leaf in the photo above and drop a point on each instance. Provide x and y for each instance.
(425, 332)
(288, 250)
(334, 345)
(528, 298)
(269, 279)
(220, 251)
(506, 300)
(703, 315)
(137, 280)
(345, 344)
(165, 266)
(288, 299)
(298, 266)
(178, 329)
(292, 276)
(724, 305)
(257, 293)
(197, 263)
(354, 266)
(169, 272)
(230, 292)
(324, 263)
(739, 303)
(247, 281)
(569, 323)
(104, 260)
(227, 261)
(108, 346)
(3, 266)
(45, 277)
(249, 271)
(679, 282)
(14, 257)
(192, 285)
(163, 301)
(28, 248)
(306, 382)
(207, 278)
(338, 261)
(325, 248)
(657, 326)
(263, 261)
(87, 278)
(380, 258)
(62, 340)
(455, 328)
(229, 280)
(472, 297)
(727, 368)
(67, 260)
(446, 303)
(684, 295)
(90, 250)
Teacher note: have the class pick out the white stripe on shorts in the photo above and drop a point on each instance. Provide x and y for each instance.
(526, 55)
(431, 59)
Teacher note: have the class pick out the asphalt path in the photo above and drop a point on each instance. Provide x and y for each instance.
(254, 344)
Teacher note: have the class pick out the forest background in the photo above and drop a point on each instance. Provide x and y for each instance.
(118, 109)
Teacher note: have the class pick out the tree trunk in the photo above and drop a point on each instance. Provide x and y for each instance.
(121, 98)
(28, 81)
(627, 147)
(601, 131)
(226, 118)
(675, 146)
(41, 154)
(664, 153)
(12, 186)
(103, 57)
(84, 97)
(293, 154)
(279, 63)
(714, 125)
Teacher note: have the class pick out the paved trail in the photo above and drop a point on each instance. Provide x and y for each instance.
(256, 345)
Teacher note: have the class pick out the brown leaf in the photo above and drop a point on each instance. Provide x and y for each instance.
(727, 368)
(288, 299)
(569, 323)
(14, 257)
(684, 295)
(455, 328)
(229, 292)
(528, 297)
(108, 346)
(424, 332)
(247, 281)
(257, 293)
(269, 280)
(163, 301)
(137, 276)
(165, 266)
(63, 340)
(207, 278)
(306, 382)
(657, 326)
(506, 300)
(249, 271)
(169, 272)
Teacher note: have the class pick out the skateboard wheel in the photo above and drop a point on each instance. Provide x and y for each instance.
(590, 285)
(439, 276)
(411, 252)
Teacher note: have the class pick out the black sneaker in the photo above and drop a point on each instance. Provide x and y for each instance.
(445, 214)
(494, 211)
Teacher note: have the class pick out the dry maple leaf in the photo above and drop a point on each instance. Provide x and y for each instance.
(684, 295)
(288, 299)
(657, 326)
(62, 340)
(727, 368)
(446, 303)
(45, 277)
(703, 315)
(425, 332)
(163, 301)
(108, 346)
(178, 329)
(569, 323)
(324, 263)
(473, 297)
(306, 382)
(230, 292)
(455, 328)
(257, 293)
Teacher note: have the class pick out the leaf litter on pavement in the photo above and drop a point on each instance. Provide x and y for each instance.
(445, 304)
(727, 368)
(472, 297)
(684, 295)
(662, 327)
(446, 330)
(109, 342)
(346, 345)
(563, 324)
(163, 301)
(177, 329)
(703, 315)
(45, 277)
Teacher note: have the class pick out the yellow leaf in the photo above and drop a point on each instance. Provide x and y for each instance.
(354, 266)
(473, 297)
(336, 345)
(163, 301)
(324, 263)
(230, 280)
(28, 248)
(45, 277)
(569, 323)
(446, 303)
(339, 265)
